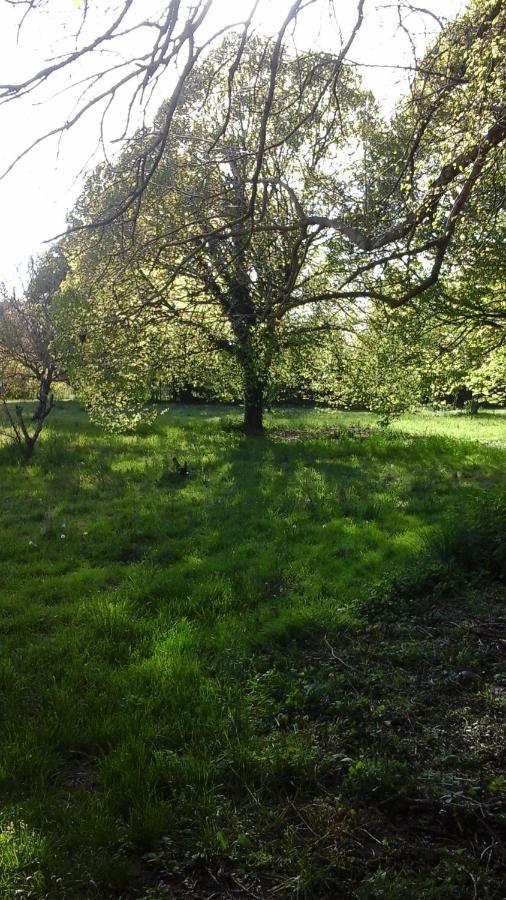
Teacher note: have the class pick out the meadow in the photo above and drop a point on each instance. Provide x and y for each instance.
(281, 677)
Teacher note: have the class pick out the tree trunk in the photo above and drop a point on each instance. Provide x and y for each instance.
(44, 407)
(44, 398)
(253, 377)
(253, 407)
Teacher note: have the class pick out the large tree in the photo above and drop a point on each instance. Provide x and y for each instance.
(189, 260)
(280, 188)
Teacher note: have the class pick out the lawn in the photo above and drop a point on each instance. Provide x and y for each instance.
(281, 677)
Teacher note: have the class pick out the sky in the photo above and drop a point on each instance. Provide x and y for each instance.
(36, 194)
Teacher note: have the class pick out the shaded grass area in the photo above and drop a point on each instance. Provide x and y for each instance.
(281, 676)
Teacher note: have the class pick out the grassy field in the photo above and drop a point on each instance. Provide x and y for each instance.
(279, 678)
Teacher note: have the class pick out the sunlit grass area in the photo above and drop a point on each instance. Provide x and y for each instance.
(489, 426)
(258, 677)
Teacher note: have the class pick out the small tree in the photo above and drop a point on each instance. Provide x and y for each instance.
(27, 359)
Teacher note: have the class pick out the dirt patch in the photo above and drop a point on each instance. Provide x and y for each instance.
(78, 774)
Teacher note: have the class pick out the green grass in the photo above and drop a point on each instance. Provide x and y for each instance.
(270, 678)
